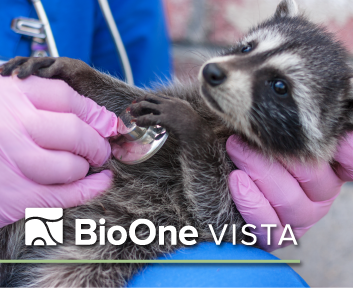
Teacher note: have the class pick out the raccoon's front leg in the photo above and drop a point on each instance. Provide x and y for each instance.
(203, 160)
(105, 90)
(174, 114)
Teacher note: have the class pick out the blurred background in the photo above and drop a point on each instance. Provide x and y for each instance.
(200, 28)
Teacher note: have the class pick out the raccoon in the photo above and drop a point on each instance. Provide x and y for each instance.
(285, 88)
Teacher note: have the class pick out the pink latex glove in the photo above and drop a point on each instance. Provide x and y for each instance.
(49, 134)
(268, 193)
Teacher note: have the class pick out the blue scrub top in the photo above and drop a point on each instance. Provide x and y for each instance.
(81, 32)
(218, 275)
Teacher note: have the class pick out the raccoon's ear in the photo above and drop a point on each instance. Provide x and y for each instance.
(287, 8)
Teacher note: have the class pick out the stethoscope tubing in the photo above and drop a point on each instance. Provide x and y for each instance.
(108, 16)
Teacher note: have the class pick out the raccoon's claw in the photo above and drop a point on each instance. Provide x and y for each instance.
(11, 65)
(144, 107)
(47, 67)
(25, 66)
(148, 110)
(174, 114)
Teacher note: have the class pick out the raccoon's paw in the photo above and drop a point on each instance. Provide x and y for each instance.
(25, 66)
(174, 114)
(46, 67)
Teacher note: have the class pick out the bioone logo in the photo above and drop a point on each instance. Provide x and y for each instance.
(44, 226)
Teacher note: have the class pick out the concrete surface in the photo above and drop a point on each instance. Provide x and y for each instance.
(325, 251)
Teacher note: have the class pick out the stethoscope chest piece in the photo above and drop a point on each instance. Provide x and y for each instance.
(136, 144)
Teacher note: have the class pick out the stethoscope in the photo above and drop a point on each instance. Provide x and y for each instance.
(137, 144)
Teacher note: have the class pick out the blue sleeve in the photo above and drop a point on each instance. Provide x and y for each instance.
(143, 31)
(72, 23)
(80, 32)
(218, 275)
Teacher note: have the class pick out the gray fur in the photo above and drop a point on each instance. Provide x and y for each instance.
(177, 187)
(186, 182)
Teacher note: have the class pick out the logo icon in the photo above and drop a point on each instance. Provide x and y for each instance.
(44, 226)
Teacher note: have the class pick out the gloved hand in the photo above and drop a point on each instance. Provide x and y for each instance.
(268, 193)
(49, 134)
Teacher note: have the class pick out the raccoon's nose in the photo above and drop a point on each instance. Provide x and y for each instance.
(213, 74)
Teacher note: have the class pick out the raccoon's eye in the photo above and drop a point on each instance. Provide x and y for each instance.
(247, 48)
(280, 87)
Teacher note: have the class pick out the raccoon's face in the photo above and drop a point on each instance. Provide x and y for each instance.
(284, 86)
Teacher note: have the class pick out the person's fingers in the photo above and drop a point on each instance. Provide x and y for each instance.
(344, 157)
(57, 96)
(275, 182)
(66, 132)
(318, 180)
(51, 196)
(256, 210)
(251, 202)
(77, 193)
(48, 166)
